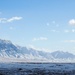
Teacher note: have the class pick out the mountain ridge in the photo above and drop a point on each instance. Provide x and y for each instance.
(9, 50)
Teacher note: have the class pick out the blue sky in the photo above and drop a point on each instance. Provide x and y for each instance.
(42, 24)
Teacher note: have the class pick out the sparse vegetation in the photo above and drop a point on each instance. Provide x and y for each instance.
(38, 69)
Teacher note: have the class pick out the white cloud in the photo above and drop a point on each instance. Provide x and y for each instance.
(11, 28)
(2, 20)
(0, 12)
(38, 49)
(31, 46)
(73, 30)
(55, 30)
(70, 41)
(57, 25)
(14, 18)
(72, 22)
(48, 24)
(53, 22)
(5, 20)
(40, 38)
(66, 31)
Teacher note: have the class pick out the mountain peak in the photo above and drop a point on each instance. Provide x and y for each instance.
(8, 49)
(61, 54)
(5, 41)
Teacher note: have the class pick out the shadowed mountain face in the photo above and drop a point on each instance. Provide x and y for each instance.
(8, 49)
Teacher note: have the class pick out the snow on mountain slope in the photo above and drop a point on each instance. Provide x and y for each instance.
(9, 50)
(61, 54)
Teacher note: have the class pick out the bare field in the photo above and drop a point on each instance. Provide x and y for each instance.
(37, 69)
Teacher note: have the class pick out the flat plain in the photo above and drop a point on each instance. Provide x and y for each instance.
(37, 68)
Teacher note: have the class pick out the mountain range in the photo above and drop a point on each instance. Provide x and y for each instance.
(9, 50)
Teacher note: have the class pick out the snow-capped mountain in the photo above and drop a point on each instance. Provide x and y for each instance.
(9, 50)
(61, 54)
